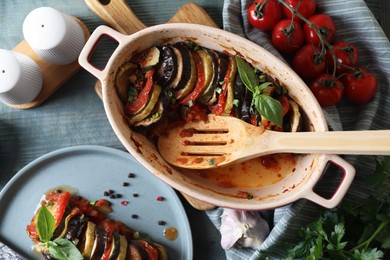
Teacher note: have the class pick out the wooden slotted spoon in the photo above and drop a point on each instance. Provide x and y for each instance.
(223, 140)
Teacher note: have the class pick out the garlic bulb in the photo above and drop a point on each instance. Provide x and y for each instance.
(246, 228)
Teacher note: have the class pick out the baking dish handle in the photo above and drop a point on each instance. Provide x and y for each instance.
(90, 46)
(349, 174)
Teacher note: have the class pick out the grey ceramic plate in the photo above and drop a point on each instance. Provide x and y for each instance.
(91, 170)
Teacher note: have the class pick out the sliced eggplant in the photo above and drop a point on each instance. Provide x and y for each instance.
(101, 242)
(135, 251)
(162, 252)
(166, 69)
(115, 246)
(151, 103)
(239, 95)
(122, 81)
(246, 107)
(186, 82)
(230, 85)
(75, 228)
(65, 226)
(174, 82)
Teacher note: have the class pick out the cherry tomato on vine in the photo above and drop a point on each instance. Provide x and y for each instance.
(264, 14)
(325, 26)
(306, 8)
(360, 85)
(346, 56)
(287, 36)
(308, 62)
(327, 89)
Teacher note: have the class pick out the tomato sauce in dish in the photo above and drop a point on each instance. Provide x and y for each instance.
(255, 173)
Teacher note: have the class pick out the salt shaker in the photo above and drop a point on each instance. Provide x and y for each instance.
(20, 78)
(54, 36)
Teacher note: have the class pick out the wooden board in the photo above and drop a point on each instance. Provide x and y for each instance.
(53, 76)
(120, 17)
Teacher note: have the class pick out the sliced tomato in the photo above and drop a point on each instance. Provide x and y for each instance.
(109, 226)
(140, 101)
(200, 80)
(219, 108)
(56, 203)
(150, 250)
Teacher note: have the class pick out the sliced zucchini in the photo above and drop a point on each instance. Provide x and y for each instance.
(230, 86)
(295, 118)
(154, 116)
(151, 59)
(145, 112)
(208, 67)
(166, 69)
(122, 80)
(88, 240)
(210, 94)
(123, 248)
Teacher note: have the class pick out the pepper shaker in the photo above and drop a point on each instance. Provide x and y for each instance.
(20, 78)
(54, 36)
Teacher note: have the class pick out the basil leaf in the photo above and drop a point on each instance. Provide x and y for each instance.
(263, 86)
(247, 74)
(269, 108)
(45, 224)
(63, 249)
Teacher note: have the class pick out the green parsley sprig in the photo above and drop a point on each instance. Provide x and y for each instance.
(358, 232)
(59, 248)
(268, 107)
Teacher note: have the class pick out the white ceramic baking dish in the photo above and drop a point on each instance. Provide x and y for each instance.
(296, 185)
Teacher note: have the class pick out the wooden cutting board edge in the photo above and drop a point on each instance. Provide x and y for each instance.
(189, 13)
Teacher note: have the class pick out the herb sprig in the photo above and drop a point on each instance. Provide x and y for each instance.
(352, 231)
(268, 107)
(59, 248)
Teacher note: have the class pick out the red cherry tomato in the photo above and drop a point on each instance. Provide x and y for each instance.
(327, 89)
(346, 56)
(360, 85)
(264, 14)
(306, 8)
(308, 62)
(324, 25)
(287, 36)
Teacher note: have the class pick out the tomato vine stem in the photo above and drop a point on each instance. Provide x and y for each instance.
(324, 43)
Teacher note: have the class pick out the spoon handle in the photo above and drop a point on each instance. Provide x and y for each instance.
(334, 142)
